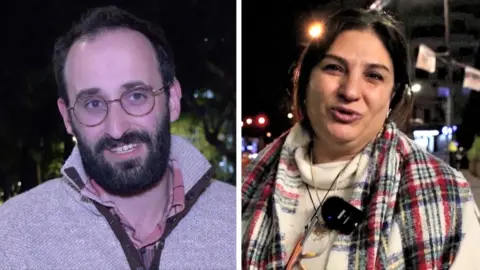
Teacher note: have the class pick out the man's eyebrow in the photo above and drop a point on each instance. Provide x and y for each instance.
(133, 84)
(93, 91)
(87, 92)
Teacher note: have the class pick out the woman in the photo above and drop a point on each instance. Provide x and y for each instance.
(393, 205)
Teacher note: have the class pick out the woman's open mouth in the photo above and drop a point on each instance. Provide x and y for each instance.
(345, 115)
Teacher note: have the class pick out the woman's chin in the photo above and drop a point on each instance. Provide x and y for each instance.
(343, 133)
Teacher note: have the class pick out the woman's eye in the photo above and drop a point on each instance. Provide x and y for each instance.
(333, 67)
(375, 76)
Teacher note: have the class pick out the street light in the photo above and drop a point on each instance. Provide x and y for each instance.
(315, 30)
(290, 115)
(416, 88)
(261, 120)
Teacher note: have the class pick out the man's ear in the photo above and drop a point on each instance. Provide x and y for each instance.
(62, 107)
(175, 97)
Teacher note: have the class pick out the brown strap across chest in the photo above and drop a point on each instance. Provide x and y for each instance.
(132, 254)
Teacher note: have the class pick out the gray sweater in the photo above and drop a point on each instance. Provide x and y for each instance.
(53, 227)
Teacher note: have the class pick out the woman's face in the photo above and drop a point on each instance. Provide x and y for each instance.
(349, 91)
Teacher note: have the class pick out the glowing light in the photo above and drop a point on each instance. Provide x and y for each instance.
(416, 88)
(261, 120)
(425, 133)
(315, 30)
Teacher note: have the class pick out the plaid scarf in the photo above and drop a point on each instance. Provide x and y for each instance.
(406, 186)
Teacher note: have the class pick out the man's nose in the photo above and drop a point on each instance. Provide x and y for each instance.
(116, 122)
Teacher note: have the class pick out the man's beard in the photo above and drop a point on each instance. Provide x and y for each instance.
(133, 176)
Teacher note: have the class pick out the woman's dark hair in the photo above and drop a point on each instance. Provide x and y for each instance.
(386, 28)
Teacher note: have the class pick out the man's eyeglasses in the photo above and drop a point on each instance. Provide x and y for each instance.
(93, 110)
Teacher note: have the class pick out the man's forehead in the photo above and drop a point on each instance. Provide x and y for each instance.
(109, 60)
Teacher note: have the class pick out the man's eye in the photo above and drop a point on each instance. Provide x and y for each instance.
(93, 103)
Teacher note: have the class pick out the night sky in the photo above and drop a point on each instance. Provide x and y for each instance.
(33, 25)
(269, 48)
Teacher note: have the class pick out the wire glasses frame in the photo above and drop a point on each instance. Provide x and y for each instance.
(145, 89)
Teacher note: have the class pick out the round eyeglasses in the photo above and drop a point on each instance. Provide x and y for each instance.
(93, 110)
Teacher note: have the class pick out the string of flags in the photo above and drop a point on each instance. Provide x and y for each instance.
(427, 60)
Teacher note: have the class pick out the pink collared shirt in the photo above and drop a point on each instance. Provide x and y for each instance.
(144, 216)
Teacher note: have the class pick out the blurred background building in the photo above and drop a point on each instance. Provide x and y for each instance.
(439, 95)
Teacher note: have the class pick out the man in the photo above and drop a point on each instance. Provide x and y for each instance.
(131, 195)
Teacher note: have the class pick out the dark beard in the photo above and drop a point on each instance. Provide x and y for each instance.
(132, 176)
